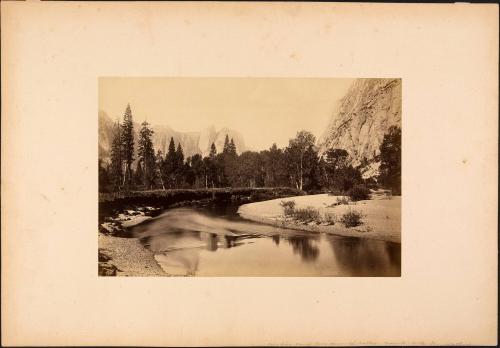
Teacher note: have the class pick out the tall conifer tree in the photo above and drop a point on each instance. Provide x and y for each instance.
(147, 154)
(179, 165)
(226, 149)
(170, 165)
(127, 137)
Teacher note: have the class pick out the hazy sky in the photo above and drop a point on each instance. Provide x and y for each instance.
(263, 110)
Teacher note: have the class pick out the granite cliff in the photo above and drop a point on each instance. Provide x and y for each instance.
(191, 142)
(361, 120)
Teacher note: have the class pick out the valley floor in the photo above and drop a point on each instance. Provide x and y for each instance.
(381, 215)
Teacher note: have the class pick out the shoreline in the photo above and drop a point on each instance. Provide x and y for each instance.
(381, 221)
(127, 258)
(123, 256)
(119, 254)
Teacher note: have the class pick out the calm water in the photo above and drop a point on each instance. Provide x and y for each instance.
(217, 242)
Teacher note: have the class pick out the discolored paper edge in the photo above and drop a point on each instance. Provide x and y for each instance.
(52, 56)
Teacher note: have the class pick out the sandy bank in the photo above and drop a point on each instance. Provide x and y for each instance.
(129, 257)
(126, 256)
(381, 215)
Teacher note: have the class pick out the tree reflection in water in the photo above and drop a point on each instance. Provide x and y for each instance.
(187, 242)
(212, 241)
(363, 257)
(276, 239)
(304, 247)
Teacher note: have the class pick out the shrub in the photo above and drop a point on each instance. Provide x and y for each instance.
(359, 193)
(307, 215)
(352, 218)
(288, 207)
(342, 200)
(330, 218)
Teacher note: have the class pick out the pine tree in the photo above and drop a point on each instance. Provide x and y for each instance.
(275, 167)
(179, 165)
(127, 137)
(232, 148)
(147, 154)
(212, 165)
(213, 151)
(229, 163)
(390, 160)
(179, 155)
(226, 149)
(116, 158)
(198, 170)
(170, 165)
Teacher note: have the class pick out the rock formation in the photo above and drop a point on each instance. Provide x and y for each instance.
(361, 120)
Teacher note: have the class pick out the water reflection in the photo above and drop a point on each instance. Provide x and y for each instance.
(204, 242)
(276, 239)
(212, 241)
(364, 257)
(305, 247)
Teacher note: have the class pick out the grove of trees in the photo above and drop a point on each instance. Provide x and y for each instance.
(298, 165)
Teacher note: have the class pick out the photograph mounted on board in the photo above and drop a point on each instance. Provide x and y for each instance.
(249, 176)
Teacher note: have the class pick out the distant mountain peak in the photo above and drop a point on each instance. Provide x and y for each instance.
(191, 142)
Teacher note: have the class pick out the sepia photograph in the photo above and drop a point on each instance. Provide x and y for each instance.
(249, 177)
(249, 174)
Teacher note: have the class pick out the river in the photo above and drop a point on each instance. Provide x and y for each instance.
(215, 241)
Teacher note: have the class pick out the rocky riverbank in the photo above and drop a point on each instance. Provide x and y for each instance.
(126, 257)
(121, 254)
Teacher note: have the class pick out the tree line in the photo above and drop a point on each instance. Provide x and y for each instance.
(298, 165)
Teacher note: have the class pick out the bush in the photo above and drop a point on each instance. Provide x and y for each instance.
(288, 207)
(342, 200)
(307, 215)
(352, 218)
(330, 218)
(359, 193)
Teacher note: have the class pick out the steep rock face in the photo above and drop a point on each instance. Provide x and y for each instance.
(363, 117)
(207, 136)
(211, 135)
(220, 137)
(191, 142)
(105, 136)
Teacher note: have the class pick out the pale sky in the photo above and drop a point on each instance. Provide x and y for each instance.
(263, 110)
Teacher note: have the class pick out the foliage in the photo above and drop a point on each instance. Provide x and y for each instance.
(127, 142)
(165, 198)
(288, 207)
(139, 175)
(330, 218)
(146, 170)
(298, 165)
(342, 200)
(336, 173)
(306, 215)
(390, 160)
(359, 193)
(352, 218)
(301, 157)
